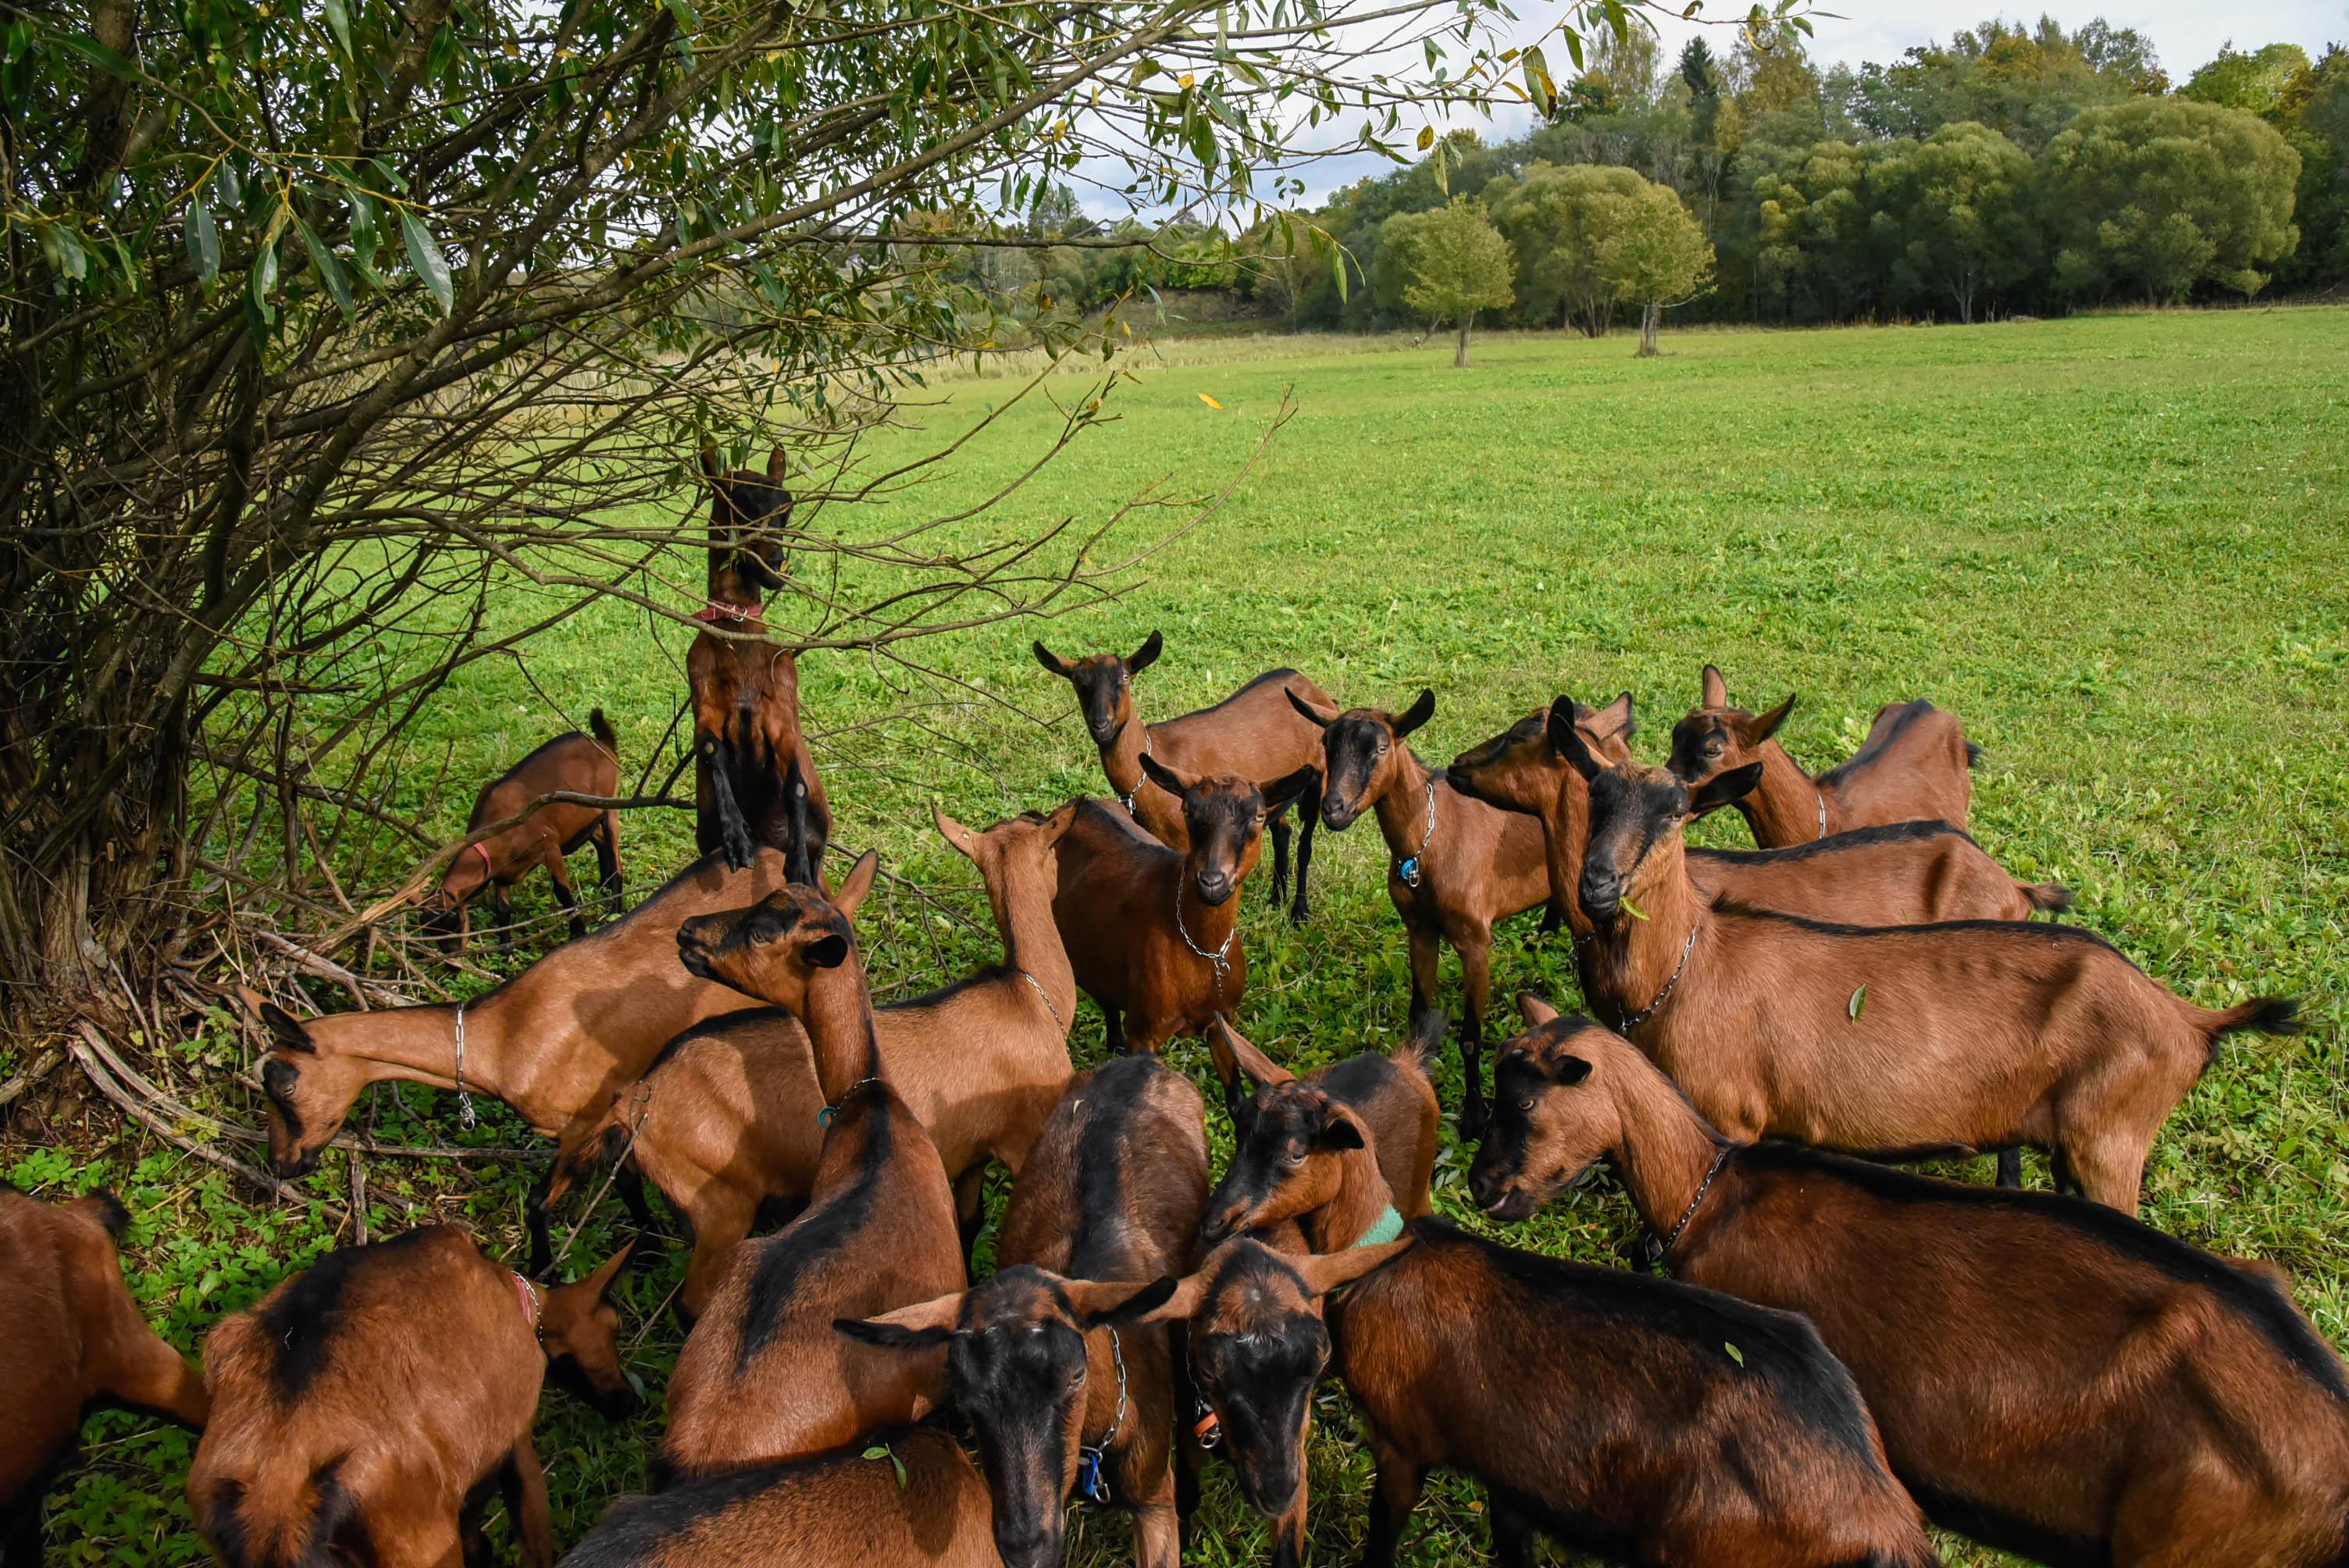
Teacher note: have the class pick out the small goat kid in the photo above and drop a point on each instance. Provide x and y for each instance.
(1151, 934)
(1250, 733)
(1915, 765)
(583, 764)
(1893, 1042)
(557, 1042)
(754, 777)
(2049, 1377)
(74, 1339)
(364, 1408)
(1456, 867)
(1060, 1396)
(762, 1378)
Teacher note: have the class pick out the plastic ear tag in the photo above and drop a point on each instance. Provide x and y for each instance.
(824, 1117)
(1091, 1482)
(1409, 871)
(1208, 1429)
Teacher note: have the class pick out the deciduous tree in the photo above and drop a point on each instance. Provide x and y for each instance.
(1654, 252)
(1459, 264)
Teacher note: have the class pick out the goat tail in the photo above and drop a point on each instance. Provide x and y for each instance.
(286, 1517)
(2260, 1014)
(2047, 898)
(104, 1210)
(601, 728)
(1425, 1042)
(1973, 756)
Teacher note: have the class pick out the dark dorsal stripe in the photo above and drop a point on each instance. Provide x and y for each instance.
(1856, 838)
(300, 1323)
(1118, 1093)
(2024, 931)
(1876, 744)
(785, 1261)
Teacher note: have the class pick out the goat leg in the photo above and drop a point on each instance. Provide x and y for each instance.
(607, 858)
(1476, 983)
(1278, 826)
(559, 871)
(629, 1184)
(733, 832)
(501, 905)
(524, 1484)
(1393, 1495)
(1513, 1536)
(534, 1210)
(1309, 810)
(2009, 1167)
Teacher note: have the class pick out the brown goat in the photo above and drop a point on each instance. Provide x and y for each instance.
(1251, 733)
(585, 764)
(362, 1409)
(2050, 1377)
(1059, 1397)
(1915, 765)
(921, 1503)
(74, 1338)
(1455, 866)
(1886, 1041)
(754, 777)
(557, 1042)
(724, 1122)
(1387, 1092)
(1154, 934)
(762, 1378)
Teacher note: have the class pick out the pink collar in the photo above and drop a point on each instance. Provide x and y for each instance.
(489, 867)
(531, 1307)
(713, 611)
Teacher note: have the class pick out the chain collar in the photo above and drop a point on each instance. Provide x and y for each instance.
(1036, 986)
(1089, 1479)
(1625, 1023)
(1823, 810)
(533, 1304)
(1218, 958)
(1408, 870)
(824, 1118)
(465, 1116)
(1127, 800)
(1719, 1158)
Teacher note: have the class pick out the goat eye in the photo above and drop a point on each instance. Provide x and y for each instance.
(1295, 1157)
(1526, 1103)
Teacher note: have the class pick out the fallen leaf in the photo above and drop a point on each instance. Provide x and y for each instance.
(1210, 402)
(1858, 1000)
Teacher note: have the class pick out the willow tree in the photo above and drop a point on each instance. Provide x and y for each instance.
(324, 318)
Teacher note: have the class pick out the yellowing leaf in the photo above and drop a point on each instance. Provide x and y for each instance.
(1210, 402)
(1634, 910)
(1735, 1354)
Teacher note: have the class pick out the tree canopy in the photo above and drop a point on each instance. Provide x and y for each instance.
(1459, 265)
(1651, 253)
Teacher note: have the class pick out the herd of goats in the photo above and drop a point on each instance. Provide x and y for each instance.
(1835, 1350)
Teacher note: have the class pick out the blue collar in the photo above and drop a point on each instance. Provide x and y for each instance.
(1388, 1226)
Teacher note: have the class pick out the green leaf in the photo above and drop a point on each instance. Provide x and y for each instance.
(1634, 910)
(899, 1466)
(1858, 1000)
(687, 16)
(338, 22)
(330, 271)
(97, 54)
(203, 242)
(425, 257)
(1338, 266)
(876, 1452)
(1735, 1354)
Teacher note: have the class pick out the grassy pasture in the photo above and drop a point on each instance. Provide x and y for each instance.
(2116, 547)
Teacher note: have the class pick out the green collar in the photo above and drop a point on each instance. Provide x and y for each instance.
(1388, 1226)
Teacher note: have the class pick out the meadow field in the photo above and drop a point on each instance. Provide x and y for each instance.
(2116, 547)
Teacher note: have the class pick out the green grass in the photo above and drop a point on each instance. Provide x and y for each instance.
(2114, 546)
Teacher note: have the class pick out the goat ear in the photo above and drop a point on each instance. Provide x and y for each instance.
(1722, 788)
(858, 882)
(1307, 709)
(777, 465)
(709, 463)
(598, 1285)
(1181, 1303)
(1052, 661)
(1418, 713)
(914, 1327)
(1145, 655)
(1101, 1301)
(1166, 777)
(1223, 1038)
(1534, 1010)
(1567, 742)
(289, 1029)
(1344, 1129)
(1327, 1271)
(1568, 1071)
(1281, 791)
(1615, 721)
(829, 951)
(1763, 727)
(961, 838)
(1715, 691)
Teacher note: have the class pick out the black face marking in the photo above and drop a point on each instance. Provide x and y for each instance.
(1284, 1124)
(1354, 748)
(1258, 1351)
(786, 1258)
(1100, 680)
(746, 522)
(1699, 744)
(278, 1080)
(300, 1325)
(1630, 812)
(1223, 822)
(1015, 1364)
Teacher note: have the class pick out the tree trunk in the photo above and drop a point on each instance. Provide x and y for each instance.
(1460, 354)
(1651, 318)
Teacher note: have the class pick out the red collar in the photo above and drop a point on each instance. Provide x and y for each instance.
(713, 611)
(489, 867)
(531, 1307)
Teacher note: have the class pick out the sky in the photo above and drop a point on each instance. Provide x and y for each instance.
(2185, 34)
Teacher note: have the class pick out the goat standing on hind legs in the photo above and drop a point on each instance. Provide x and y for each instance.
(754, 778)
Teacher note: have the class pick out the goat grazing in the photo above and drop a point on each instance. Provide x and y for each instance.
(587, 763)
(363, 1409)
(919, 1503)
(1152, 933)
(1455, 866)
(1059, 1396)
(1275, 1132)
(754, 777)
(1251, 733)
(74, 1338)
(1894, 1042)
(724, 1121)
(557, 1042)
(762, 1378)
(1915, 765)
(2049, 1377)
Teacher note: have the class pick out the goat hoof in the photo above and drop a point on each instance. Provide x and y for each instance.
(1298, 913)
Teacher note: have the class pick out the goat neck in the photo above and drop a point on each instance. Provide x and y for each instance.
(1785, 807)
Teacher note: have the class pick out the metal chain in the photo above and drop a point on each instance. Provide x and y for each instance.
(1625, 1023)
(1039, 988)
(1222, 965)
(465, 1116)
(824, 1117)
(1719, 1158)
(1408, 870)
(1823, 810)
(1090, 1478)
(1127, 800)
